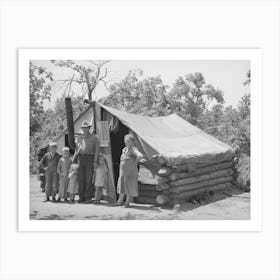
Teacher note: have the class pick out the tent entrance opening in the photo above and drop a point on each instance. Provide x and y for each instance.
(117, 144)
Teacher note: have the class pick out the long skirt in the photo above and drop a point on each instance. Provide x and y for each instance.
(128, 178)
(73, 185)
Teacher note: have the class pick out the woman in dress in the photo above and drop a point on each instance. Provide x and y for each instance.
(128, 176)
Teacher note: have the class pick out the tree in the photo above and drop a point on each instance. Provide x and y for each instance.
(39, 91)
(210, 120)
(244, 106)
(248, 78)
(191, 95)
(55, 119)
(88, 76)
(146, 96)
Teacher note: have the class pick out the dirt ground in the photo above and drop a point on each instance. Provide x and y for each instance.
(220, 206)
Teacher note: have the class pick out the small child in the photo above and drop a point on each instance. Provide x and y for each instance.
(63, 168)
(100, 178)
(73, 185)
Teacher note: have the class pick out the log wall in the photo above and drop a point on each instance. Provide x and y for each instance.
(184, 181)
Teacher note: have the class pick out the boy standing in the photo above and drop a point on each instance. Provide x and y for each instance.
(49, 162)
(63, 168)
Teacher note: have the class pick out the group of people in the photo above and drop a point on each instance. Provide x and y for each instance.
(88, 170)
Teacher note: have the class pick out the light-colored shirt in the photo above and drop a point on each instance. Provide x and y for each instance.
(63, 166)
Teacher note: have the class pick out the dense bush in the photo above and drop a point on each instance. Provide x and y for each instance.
(54, 121)
(243, 169)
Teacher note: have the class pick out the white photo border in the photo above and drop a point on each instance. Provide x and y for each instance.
(255, 221)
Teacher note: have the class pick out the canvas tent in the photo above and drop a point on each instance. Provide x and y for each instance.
(174, 149)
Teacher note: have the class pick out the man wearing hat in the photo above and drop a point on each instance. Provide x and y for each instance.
(49, 163)
(88, 157)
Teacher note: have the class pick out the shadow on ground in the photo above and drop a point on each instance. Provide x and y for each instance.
(233, 204)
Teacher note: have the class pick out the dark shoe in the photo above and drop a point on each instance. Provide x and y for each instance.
(53, 199)
(81, 201)
(58, 200)
(88, 201)
(66, 200)
(46, 199)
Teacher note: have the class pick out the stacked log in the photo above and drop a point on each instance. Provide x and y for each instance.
(153, 194)
(182, 182)
(188, 180)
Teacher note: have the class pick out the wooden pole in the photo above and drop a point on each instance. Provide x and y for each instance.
(94, 115)
(69, 116)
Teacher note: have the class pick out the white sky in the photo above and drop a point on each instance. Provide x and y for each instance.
(227, 75)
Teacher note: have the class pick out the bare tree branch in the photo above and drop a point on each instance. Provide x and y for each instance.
(89, 77)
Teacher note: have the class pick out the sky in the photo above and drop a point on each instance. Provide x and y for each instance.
(226, 75)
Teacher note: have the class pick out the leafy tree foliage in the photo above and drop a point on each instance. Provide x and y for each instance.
(248, 79)
(54, 121)
(191, 95)
(39, 91)
(243, 166)
(230, 125)
(137, 95)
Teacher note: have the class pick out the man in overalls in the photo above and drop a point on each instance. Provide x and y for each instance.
(88, 158)
(49, 163)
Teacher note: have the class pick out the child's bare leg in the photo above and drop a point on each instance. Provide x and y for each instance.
(96, 193)
(99, 193)
(127, 200)
(65, 194)
(121, 198)
(97, 199)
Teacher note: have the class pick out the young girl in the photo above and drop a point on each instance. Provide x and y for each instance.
(73, 185)
(63, 168)
(100, 178)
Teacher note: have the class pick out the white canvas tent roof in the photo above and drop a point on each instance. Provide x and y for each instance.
(172, 137)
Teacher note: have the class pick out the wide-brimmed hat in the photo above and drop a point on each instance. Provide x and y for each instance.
(52, 144)
(85, 124)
